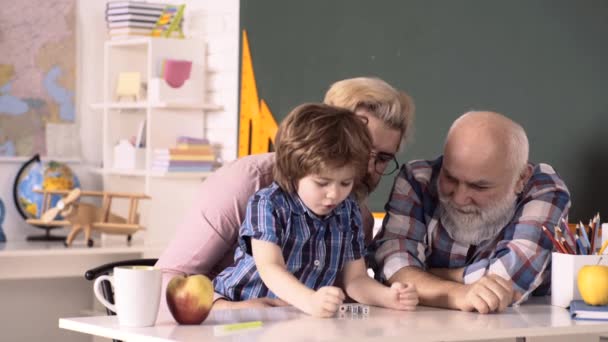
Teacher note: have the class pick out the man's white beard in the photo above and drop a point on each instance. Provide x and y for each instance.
(475, 224)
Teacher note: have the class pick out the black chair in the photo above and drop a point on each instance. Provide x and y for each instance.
(106, 287)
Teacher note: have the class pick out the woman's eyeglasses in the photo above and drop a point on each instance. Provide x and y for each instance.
(384, 163)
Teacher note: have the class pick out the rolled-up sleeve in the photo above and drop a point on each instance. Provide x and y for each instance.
(524, 253)
(260, 220)
(401, 241)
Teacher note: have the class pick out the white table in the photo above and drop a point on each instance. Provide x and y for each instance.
(536, 318)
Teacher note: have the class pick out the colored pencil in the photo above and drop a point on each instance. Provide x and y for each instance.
(553, 241)
(561, 237)
(581, 246)
(598, 236)
(585, 237)
(566, 246)
(592, 235)
(569, 232)
(604, 245)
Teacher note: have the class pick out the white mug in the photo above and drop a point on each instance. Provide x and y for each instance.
(137, 292)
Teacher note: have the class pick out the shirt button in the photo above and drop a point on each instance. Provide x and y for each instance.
(317, 263)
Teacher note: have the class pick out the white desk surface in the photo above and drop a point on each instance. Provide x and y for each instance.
(535, 318)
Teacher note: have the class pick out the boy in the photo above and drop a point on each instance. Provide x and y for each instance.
(302, 230)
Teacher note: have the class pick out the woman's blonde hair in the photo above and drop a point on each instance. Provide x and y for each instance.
(395, 108)
(315, 137)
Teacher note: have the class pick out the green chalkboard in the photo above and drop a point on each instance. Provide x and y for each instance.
(543, 63)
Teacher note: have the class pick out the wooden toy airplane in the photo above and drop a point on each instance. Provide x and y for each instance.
(85, 216)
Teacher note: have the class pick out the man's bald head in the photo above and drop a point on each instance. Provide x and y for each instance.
(489, 136)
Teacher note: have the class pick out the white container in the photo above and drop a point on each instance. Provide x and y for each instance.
(564, 272)
(191, 92)
(127, 157)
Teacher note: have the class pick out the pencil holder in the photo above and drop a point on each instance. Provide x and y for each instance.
(564, 270)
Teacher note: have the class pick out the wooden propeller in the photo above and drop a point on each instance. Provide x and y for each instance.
(62, 204)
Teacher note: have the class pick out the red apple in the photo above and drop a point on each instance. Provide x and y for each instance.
(190, 298)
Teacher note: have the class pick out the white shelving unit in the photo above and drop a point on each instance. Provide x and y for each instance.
(166, 118)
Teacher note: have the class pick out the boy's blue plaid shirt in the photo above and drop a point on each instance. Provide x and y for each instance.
(314, 249)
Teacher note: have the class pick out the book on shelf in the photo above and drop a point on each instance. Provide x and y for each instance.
(579, 310)
(201, 150)
(183, 139)
(183, 163)
(194, 147)
(131, 24)
(193, 157)
(134, 10)
(136, 4)
(136, 35)
(183, 168)
(170, 21)
(129, 17)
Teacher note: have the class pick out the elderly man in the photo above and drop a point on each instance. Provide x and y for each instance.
(466, 228)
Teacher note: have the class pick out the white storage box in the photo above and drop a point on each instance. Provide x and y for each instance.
(127, 157)
(564, 271)
(191, 92)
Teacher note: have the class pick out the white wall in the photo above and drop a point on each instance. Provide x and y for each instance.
(217, 22)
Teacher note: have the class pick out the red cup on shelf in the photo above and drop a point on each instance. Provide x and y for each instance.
(176, 72)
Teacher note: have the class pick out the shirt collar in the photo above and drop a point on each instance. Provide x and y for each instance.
(297, 207)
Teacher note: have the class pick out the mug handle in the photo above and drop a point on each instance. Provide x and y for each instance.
(98, 293)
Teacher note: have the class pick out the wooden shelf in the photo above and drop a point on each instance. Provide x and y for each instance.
(158, 105)
(150, 173)
(44, 159)
(119, 172)
(144, 41)
(31, 260)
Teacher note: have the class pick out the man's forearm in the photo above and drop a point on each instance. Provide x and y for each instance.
(451, 274)
(432, 290)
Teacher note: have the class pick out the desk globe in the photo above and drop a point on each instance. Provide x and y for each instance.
(34, 175)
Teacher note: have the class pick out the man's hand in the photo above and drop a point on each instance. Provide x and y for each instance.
(222, 304)
(325, 302)
(491, 293)
(402, 297)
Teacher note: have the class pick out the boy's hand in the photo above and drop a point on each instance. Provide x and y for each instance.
(325, 302)
(402, 297)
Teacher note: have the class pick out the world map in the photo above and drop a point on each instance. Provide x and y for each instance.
(37, 72)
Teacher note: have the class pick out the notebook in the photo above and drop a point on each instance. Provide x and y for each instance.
(581, 311)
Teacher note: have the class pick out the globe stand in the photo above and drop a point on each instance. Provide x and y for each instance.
(46, 237)
(23, 170)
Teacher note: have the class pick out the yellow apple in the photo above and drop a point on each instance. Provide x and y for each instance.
(190, 298)
(593, 284)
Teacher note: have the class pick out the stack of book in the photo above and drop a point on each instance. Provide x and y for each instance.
(581, 311)
(189, 155)
(129, 19)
